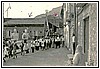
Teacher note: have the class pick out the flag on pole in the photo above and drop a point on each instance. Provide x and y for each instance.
(47, 30)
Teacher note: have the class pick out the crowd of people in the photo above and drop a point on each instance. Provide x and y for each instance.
(26, 46)
(11, 46)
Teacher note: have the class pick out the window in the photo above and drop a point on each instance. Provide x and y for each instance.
(40, 31)
(9, 33)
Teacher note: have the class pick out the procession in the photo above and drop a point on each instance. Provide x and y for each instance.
(64, 34)
(14, 46)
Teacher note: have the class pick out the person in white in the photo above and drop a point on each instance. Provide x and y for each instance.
(42, 44)
(32, 46)
(40, 40)
(47, 47)
(79, 58)
(15, 35)
(73, 40)
(37, 44)
(57, 42)
(25, 36)
(5, 53)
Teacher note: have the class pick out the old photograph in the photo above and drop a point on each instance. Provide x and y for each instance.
(49, 34)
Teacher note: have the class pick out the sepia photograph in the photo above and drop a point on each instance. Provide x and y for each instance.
(49, 34)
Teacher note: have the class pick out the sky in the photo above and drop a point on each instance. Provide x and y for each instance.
(22, 9)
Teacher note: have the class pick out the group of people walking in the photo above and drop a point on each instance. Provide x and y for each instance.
(26, 46)
(9, 50)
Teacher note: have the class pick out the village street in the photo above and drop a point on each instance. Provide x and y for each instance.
(51, 57)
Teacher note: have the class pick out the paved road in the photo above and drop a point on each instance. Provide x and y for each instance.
(51, 57)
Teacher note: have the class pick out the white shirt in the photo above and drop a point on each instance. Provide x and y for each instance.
(73, 39)
(5, 50)
(42, 43)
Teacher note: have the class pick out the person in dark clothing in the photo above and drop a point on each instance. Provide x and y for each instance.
(73, 39)
(22, 48)
(57, 42)
(32, 46)
(14, 50)
(37, 45)
(44, 45)
(50, 43)
(10, 50)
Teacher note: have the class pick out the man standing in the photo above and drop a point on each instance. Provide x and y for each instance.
(73, 39)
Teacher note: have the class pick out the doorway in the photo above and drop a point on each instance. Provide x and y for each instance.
(86, 37)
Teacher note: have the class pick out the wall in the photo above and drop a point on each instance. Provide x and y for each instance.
(93, 33)
(90, 11)
(21, 29)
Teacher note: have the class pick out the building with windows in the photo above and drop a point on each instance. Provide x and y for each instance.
(35, 27)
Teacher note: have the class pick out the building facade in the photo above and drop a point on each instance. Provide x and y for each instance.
(83, 22)
(35, 27)
(87, 31)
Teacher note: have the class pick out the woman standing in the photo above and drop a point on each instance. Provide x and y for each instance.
(78, 59)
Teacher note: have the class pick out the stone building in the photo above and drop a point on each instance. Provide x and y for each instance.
(87, 30)
(83, 22)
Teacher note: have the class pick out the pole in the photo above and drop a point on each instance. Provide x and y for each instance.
(64, 22)
(47, 23)
(3, 12)
(76, 25)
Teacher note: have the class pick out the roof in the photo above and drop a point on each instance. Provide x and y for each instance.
(52, 19)
(25, 21)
